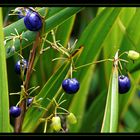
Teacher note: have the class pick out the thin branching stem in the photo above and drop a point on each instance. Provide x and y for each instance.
(19, 120)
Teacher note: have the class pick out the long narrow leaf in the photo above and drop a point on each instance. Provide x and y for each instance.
(92, 48)
(4, 99)
(94, 115)
(110, 121)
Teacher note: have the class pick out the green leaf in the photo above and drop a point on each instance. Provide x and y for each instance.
(110, 121)
(92, 39)
(93, 116)
(4, 97)
(133, 38)
(64, 31)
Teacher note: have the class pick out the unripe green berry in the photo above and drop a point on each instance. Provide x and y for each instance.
(133, 55)
(71, 118)
(56, 123)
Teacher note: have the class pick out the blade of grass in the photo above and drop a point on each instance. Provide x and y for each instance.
(64, 31)
(94, 115)
(110, 121)
(4, 98)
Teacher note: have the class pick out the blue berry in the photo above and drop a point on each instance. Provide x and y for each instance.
(22, 13)
(15, 111)
(29, 101)
(33, 21)
(124, 84)
(70, 86)
(24, 66)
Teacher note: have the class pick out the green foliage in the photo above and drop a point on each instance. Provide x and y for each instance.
(4, 100)
(101, 34)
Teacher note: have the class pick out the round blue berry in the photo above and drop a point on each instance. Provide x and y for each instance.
(24, 66)
(70, 86)
(15, 111)
(33, 21)
(29, 101)
(124, 84)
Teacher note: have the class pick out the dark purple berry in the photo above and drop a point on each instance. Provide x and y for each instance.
(124, 84)
(29, 101)
(33, 21)
(15, 111)
(70, 86)
(24, 66)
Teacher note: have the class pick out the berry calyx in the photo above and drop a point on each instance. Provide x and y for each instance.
(70, 86)
(29, 101)
(33, 21)
(21, 65)
(124, 84)
(15, 111)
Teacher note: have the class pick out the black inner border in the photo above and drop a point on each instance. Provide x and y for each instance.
(70, 2)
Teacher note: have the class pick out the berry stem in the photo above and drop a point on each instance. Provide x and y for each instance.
(63, 109)
(123, 54)
(71, 69)
(31, 61)
(54, 44)
(93, 63)
(17, 93)
(45, 126)
(22, 105)
(60, 97)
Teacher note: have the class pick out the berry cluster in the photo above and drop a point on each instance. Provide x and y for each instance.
(56, 121)
(33, 22)
(15, 111)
